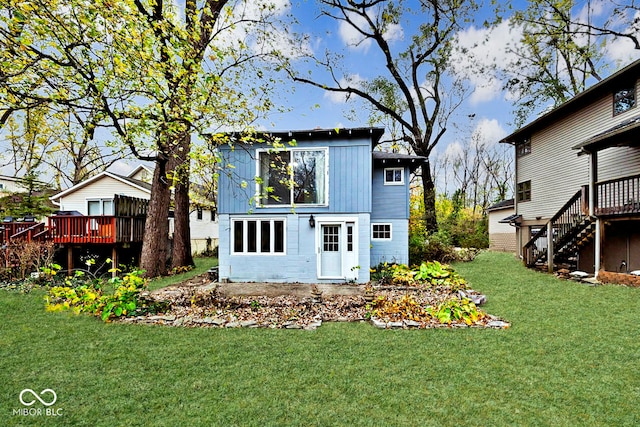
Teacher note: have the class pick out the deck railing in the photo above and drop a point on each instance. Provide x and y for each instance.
(9, 230)
(96, 229)
(618, 196)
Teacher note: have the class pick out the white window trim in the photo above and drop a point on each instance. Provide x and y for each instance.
(401, 182)
(101, 200)
(326, 178)
(382, 238)
(245, 237)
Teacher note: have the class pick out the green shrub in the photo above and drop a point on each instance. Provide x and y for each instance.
(455, 309)
(89, 297)
(433, 247)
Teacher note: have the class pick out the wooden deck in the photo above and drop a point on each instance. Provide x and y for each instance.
(77, 230)
(96, 229)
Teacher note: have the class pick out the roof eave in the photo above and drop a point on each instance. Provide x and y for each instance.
(578, 101)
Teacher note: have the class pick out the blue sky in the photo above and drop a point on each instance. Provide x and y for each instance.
(491, 106)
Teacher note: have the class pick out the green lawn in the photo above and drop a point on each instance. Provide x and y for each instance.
(202, 265)
(570, 358)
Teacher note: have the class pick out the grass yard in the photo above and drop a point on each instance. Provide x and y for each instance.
(570, 358)
(202, 265)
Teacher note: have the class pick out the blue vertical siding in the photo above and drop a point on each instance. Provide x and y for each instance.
(389, 201)
(299, 264)
(395, 250)
(349, 178)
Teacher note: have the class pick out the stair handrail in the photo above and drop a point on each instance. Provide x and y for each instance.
(27, 231)
(571, 213)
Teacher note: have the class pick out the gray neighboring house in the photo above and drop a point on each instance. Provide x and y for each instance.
(578, 180)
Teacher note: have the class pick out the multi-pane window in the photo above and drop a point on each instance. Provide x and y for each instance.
(350, 237)
(295, 176)
(524, 191)
(624, 100)
(262, 236)
(100, 207)
(381, 231)
(523, 148)
(393, 176)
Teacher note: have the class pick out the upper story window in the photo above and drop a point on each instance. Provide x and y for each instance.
(624, 100)
(524, 191)
(199, 213)
(394, 176)
(523, 148)
(297, 176)
(97, 207)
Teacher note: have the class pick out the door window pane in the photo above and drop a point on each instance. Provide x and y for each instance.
(330, 238)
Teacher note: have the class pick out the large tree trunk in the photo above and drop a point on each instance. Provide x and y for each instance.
(156, 232)
(429, 195)
(181, 249)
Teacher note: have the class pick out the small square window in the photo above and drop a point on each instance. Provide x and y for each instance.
(524, 191)
(624, 100)
(381, 231)
(394, 176)
(523, 148)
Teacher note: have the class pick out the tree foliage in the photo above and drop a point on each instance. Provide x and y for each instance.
(414, 91)
(556, 58)
(155, 73)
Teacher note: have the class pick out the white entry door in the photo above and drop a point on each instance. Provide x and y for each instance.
(331, 251)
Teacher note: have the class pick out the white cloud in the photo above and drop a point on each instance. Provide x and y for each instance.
(621, 50)
(353, 80)
(354, 39)
(351, 36)
(478, 51)
(393, 33)
(488, 132)
(240, 29)
(453, 151)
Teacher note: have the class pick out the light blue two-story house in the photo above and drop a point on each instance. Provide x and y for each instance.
(315, 206)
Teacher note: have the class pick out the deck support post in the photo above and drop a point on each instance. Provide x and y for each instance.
(593, 178)
(598, 247)
(550, 254)
(114, 261)
(69, 258)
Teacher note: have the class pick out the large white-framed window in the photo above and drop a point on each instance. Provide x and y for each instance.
(381, 231)
(394, 176)
(97, 207)
(264, 236)
(297, 176)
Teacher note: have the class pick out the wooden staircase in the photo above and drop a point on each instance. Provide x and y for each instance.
(571, 228)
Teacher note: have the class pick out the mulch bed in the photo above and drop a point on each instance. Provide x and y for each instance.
(196, 305)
